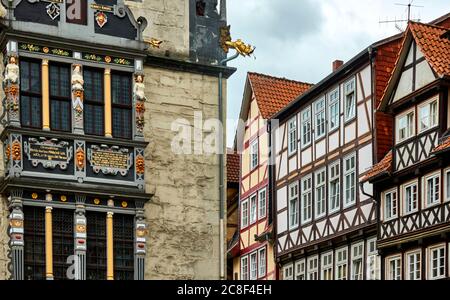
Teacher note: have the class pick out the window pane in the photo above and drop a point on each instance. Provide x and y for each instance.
(36, 113)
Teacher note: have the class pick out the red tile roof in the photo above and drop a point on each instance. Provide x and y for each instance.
(233, 167)
(273, 93)
(384, 166)
(434, 46)
(444, 145)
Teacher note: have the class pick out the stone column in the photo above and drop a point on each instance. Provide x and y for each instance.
(139, 106)
(140, 243)
(108, 103)
(16, 234)
(11, 86)
(77, 99)
(80, 237)
(48, 238)
(45, 96)
(110, 243)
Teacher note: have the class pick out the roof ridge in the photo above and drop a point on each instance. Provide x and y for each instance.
(429, 25)
(279, 78)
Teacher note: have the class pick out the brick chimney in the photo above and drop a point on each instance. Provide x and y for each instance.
(337, 64)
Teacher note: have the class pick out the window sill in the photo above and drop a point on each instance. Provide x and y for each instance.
(349, 120)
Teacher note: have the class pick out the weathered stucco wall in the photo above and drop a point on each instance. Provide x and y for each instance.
(183, 215)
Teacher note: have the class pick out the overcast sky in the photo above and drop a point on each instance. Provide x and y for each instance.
(299, 39)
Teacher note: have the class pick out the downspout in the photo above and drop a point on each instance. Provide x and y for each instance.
(221, 174)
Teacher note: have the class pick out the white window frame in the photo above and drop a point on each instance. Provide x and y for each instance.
(341, 263)
(326, 260)
(244, 216)
(391, 215)
(334, 176)
(254, 164)
(350, 115)
(350, 172)
(432, 121)
(262, 263)
(373, 260)
(410, 129)
(446, 185)
(430, 261)
(333, 103)
(426, 178)
(262, 203)
(288, 272)
(405, 187)
(253, 210)
(319, 113)
(244, 264)
(320, 188)
(308, 122)
(398, 269)
(408, 256)
(306, 198)
(253, 267)
(300, 269)
(292, 136)
(355, 258)
(293, 204)
(312, 273)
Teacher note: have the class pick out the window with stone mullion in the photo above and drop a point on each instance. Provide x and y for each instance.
(30, 93)
(60, 97)
(121, 104)
(93, 102)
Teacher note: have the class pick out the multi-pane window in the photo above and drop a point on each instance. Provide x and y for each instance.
(313, 268)
(357, 261)
(63, 244)
(244, 268)
(292, 136)
(34, 238)
(436, 262)
(410, 197)
(254, 160)
(349, 181)
(262, 263)
(123, 239)
(405, 127)
(253, 208)
(300, 270)
(60, 98)
(413, 264)
(306, 127)
(333, 105)
(30, 93)
(319, 107)
(390, 205)
(262, 205)
(428, 115)
(253, 266)
(306, 199)
(373, 260)
(244, 214)
(394, 268)
(320, 193)
(293, 205)
(334, 192)
(341, 264)
(350, 100)
(121, 105)
(447, 185)
(327, 266)
(96, 251)
(288, 273)
(432, 189)
(93, 101)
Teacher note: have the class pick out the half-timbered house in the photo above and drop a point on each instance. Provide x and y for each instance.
(412, 181)
(263, 96)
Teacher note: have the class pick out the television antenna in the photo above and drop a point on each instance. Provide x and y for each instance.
(408, 6)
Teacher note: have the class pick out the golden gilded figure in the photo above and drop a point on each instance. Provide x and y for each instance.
(226, 43)
(80, 159)
(153, 42)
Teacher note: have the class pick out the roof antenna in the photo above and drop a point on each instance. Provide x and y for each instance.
(408, 8)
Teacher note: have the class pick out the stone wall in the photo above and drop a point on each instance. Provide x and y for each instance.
(183, 215)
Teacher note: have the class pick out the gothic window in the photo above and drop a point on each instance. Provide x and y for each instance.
(123, 247)
(121, 104)
(34, 238)
(96, 246)
(60, 97)
(63, 243)
(93, 102)
(30, 93)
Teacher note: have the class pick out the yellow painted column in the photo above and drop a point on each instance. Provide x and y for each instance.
(109, 247)
(45, 96)
(48, 243)
(108, 104)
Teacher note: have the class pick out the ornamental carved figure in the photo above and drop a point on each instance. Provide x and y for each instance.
(139, 88)
(78, 97)
(140, 108)
(80, 159)
(77, 78)
(2, 11)
(140, 165)
(16, 151)
(11, 71)
(12, 97)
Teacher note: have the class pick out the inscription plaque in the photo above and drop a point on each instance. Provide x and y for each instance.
(110, 161)
(48, 152)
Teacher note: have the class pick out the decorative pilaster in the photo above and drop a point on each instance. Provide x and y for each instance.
(139, 104)
(80, 237)
(77, 98)
(140, 167)
(80, 160)
(12, 89)
(108, 104)
(109, 243)
(16, 235)
(48, 239)
(140, 243)
(15, 154)
(45, 96)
